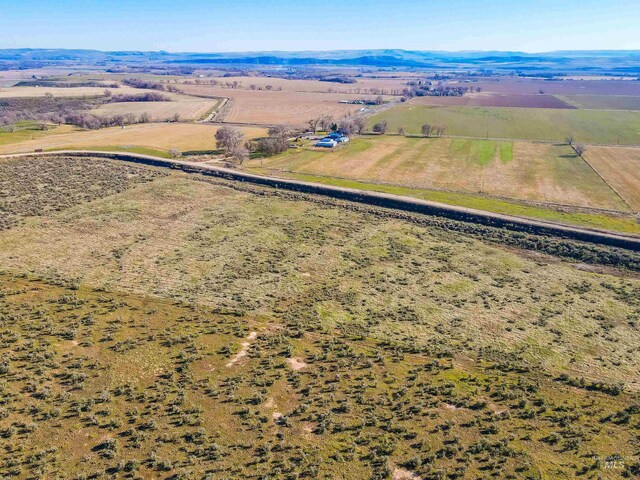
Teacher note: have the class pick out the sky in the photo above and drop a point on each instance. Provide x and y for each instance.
(294, 25)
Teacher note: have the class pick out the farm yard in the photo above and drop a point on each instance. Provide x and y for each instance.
(184, 326)
(156, 136)
(588, 126)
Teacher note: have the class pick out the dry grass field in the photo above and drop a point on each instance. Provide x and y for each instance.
(519, 170)
(278, 107)
(67, 92)
(163, 136)
(620, 167)
(181, 328)
(363, 86)
(189, 108)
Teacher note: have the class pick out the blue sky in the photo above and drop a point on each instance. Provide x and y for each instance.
(244, 25)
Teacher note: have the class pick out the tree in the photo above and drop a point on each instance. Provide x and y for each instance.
(401, 131)
(439, 131)
(313, 124)
(326, 122)
(277, 142)
(580, 148)
(569, 139)
(229, 139)
(426, 130)
(359, 124)
(239, 154)
(144, 118)
(380, 127)
(175, 117)
(379, 100)
(175, 153)
(346, 127)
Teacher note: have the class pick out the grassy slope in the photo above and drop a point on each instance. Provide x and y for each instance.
(590, 126)
(417, 331)
(603, 102)
(26, 131)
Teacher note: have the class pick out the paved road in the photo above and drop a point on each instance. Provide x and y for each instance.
(386, 200)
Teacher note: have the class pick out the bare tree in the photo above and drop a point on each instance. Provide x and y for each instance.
(326, 122)
(359, 124)
(175, 153)
(379, 100)
(380, 127)
(580, 148)
(313, 124)
(426, 130)
(239, 154)
(229, 139)
(175, 118)
(569, 139)
(346, 127)
(401, 131)
(144, 118)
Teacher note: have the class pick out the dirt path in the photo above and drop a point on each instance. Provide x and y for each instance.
(385, 200)
(245, 348)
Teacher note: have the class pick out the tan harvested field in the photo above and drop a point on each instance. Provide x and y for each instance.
(189, 108)
(163, 136)
(495, 100)
(386, 86)
(67, 92)
(620, 167)
(518, 170)
(278, 107)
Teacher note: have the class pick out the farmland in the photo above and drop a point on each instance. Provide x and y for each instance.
(620, 167)
(496, 100)
(186, 107)
(590, 126)
(278, 107)
(559, 87)
(184, 327)
(521, 170)
(603, 102)
(165, 136)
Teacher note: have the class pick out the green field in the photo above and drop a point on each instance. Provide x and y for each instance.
(480, 174)
(589, 126)
(603, 102)
(155, 324)
(24, 131)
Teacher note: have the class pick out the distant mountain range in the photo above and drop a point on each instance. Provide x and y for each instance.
(585, 61)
